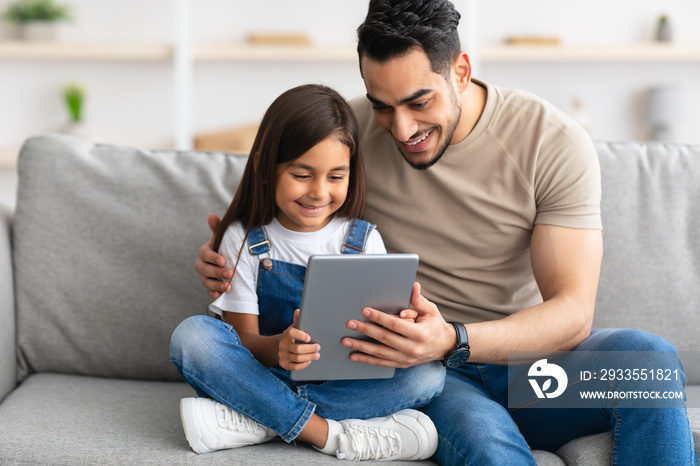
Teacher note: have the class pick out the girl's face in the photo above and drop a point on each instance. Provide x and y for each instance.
(312, 187)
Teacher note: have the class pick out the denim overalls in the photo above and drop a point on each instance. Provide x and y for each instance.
(209, 355)
(280, 284)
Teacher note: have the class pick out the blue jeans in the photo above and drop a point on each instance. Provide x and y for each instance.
(209, 355)
(475, 426)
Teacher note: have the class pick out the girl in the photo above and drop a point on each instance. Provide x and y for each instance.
(301, 193)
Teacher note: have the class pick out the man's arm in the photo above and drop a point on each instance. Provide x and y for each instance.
(210, 265)
(566, 265)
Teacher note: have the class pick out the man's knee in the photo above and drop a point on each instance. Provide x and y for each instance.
(483, 435)
(626, 340)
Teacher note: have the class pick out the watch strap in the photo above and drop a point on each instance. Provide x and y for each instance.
(462, 337)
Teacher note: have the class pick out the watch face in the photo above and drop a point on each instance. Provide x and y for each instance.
(458, 358)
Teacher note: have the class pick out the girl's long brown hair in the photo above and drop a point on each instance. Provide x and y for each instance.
(296, 121)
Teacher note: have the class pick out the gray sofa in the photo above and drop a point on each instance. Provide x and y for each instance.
(96, 271)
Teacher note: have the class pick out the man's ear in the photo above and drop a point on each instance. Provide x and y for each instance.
(463, 71)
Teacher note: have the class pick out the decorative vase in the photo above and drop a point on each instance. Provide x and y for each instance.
(37, 31)
(664, 31)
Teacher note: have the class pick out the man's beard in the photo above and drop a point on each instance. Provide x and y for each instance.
(441, 151)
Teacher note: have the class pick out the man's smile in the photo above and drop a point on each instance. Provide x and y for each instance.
(420, 143)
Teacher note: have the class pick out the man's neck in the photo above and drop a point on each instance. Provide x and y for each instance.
(473, 102)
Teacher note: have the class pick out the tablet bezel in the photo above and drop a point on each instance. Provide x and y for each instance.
(336, 288)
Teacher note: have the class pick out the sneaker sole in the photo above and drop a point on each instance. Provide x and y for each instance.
(189, 424)
(424, 428)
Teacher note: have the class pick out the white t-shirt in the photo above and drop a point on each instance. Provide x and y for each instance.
(286, 245)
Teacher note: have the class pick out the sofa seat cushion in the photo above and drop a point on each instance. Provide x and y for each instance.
(594, 450)
(70, 419)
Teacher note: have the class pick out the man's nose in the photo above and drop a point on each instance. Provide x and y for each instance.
(403, 127)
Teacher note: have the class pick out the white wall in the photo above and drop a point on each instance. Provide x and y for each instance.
(615, 94)
(132, 102)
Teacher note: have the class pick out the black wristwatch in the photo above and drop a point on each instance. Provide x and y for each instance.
(459, 356)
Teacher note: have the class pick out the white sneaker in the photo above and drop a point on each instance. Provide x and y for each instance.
(405, 435)
(211, 426)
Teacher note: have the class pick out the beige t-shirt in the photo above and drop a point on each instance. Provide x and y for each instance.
(470, 216)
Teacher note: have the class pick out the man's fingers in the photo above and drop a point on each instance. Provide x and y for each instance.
(391, 322)
(209, 270)
(421, 303)
(208, 256)
(215, 286)
(214, 221)
(372, 353)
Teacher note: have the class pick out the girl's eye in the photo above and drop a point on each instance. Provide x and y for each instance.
(337, 178)
(300, 177)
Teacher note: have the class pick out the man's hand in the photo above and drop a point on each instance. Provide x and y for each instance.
(211, 266)
(403, 343)
(295, 356)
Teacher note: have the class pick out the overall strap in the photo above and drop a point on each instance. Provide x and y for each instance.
(259, 245)
(356, 237)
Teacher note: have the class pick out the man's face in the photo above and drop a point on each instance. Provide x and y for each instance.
(417, 107)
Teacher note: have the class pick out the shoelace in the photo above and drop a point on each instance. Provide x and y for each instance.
(234, 421)
(374, 443)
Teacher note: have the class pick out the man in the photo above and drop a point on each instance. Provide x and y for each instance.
(498, 192)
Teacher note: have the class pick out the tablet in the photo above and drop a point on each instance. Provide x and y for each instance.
(336, 288)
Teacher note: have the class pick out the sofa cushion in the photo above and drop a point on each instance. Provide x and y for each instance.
(650, 277)
(69, 419)
(105, 239)
(8, 361)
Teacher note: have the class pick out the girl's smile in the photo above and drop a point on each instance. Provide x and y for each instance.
(311, 188)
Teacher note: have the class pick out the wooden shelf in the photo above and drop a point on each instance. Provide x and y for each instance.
(8, 158)
(90, 51)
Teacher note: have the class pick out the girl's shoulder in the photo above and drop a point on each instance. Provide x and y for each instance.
(233, 238)
(374, 243)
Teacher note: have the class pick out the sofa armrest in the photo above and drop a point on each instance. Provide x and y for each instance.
(8, 357)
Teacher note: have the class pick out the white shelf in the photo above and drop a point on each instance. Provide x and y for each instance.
(262, 53)
(241, 52)
(651, 52)
(91, 51)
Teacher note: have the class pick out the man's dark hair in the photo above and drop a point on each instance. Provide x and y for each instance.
(392, 28)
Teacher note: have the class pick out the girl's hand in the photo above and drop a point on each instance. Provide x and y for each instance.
(294, 351)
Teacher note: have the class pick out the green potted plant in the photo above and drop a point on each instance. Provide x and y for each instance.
(36, 19)
(73, 97)
(74, 100)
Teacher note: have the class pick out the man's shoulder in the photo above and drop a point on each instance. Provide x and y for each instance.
(518, 102)
(520, 116)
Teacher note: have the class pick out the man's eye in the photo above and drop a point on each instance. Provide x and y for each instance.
(380, 108)
(419, 104)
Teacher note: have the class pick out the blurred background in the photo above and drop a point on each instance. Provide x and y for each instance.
(200, 74)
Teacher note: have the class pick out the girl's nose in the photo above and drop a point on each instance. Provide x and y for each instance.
(319, 190)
